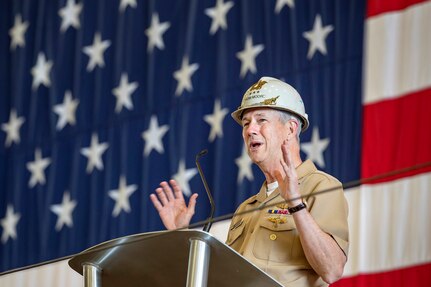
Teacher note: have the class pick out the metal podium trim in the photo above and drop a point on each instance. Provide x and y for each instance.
(162, 259)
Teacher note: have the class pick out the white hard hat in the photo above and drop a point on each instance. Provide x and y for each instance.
(272, 93)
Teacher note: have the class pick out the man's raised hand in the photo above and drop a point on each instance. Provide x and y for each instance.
(171, 205)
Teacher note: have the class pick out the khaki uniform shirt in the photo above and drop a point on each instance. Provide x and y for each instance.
(271, 241)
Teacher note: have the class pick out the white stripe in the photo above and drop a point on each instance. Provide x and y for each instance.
(220, 229)
(52, 275)
(397, 53)
(389, 225)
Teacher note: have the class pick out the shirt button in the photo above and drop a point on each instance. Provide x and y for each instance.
(273, 237)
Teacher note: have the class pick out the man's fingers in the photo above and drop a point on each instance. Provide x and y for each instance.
(287, 157)
(161, 195)
(167, 190)
(284, 166)
(284, 151)
(192, 204)
(156, 202)
(280, 179)
(177, 189)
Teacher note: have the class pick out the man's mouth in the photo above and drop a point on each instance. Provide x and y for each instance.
(254, 145)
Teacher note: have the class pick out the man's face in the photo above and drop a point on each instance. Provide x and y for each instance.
(263, 134)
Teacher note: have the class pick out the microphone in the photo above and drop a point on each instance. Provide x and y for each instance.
(207, 225)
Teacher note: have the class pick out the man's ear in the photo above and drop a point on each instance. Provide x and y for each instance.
(293, 127)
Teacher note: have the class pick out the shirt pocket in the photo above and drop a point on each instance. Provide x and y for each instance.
(275, 242)
(235, 231)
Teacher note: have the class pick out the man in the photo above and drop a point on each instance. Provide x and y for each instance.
(295, 235)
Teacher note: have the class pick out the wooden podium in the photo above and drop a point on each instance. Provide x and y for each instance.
(168, 258)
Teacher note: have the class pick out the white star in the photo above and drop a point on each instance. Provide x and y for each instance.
(281, 3)
(183, 176)
(9, 223)
(124, 92)
(121, 196)
(153, 136)
(12, 127)
(94, 153)
(37, 168)
(66, 111)
(218, 15)
(215, 120)
(17, 32)
(248, 56)
(155, 33)
(64, 211)
(95, 52)
(315, 148)
(317, 37)
(70, 15)
(41, 71)
(183, 76)
(125, 3)
(244, 164)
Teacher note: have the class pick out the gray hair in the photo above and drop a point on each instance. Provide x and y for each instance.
(286, 116)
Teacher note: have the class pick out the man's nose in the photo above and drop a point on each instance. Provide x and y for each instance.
(252, 128)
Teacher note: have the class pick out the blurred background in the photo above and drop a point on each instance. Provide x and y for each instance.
(100, 101)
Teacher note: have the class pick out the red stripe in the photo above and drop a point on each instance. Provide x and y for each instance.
(397, 135)
(416, 276)
(376, 7)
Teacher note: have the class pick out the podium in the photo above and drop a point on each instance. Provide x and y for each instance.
(189, 258)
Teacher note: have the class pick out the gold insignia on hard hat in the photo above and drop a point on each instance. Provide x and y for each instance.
(257, 85)
(271, 101)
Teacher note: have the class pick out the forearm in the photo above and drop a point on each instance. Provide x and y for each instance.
(321, 250)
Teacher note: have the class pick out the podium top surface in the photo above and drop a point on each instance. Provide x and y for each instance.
(161, 259)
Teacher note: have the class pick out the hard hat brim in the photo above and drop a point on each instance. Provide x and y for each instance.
(237, 115)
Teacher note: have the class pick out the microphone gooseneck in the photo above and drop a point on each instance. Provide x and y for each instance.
(207, 225)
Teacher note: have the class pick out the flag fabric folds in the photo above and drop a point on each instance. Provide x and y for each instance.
(390, 224)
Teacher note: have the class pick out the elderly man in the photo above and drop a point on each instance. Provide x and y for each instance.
(295, 235)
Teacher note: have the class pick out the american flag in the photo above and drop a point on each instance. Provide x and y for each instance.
(102, 100)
